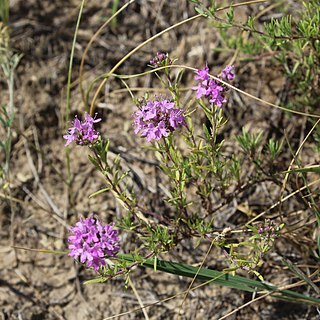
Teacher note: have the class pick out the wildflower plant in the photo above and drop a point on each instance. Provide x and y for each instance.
(201, 164)
(200, 176)
(216, 207)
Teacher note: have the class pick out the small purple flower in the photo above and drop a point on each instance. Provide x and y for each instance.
(201, 90)
(215, 93)
(211, 89)
(267, 227)
(82, 132)
(90, 242)
(228, 73)
(156, 119)
(160, 59)
(202, 74)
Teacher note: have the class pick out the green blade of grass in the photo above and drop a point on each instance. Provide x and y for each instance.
(4, 10)
(115, 6)
(223, 279)
(306, 169)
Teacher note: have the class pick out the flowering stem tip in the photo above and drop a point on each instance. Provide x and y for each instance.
(156, 119)
(91, 241)
(82, 132)
(210, 88)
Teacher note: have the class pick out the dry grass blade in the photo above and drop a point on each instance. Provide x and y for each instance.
(138, 298)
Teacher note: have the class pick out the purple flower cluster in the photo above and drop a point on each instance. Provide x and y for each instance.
(160, 59)
(91, 242)
(268, 227)
(156, 119)
(228, 73)
(210, 88)
(82, 132)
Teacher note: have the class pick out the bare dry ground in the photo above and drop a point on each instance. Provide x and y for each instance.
(43, 286)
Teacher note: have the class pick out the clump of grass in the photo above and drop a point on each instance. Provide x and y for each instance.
(8, 62)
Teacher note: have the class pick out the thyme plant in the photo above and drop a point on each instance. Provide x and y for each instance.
(201, 176)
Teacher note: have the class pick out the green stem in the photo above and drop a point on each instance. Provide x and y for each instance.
(67, 114)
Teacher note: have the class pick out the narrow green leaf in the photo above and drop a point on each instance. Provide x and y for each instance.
(306, 169)
(95, 280)
(224, 279)
(98, 192)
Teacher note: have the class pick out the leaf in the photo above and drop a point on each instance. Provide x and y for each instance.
(95, 280)
(94, 162)
(201, 11)
(98, 192)
(300, 274)
(306, 169)
(224, 279)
